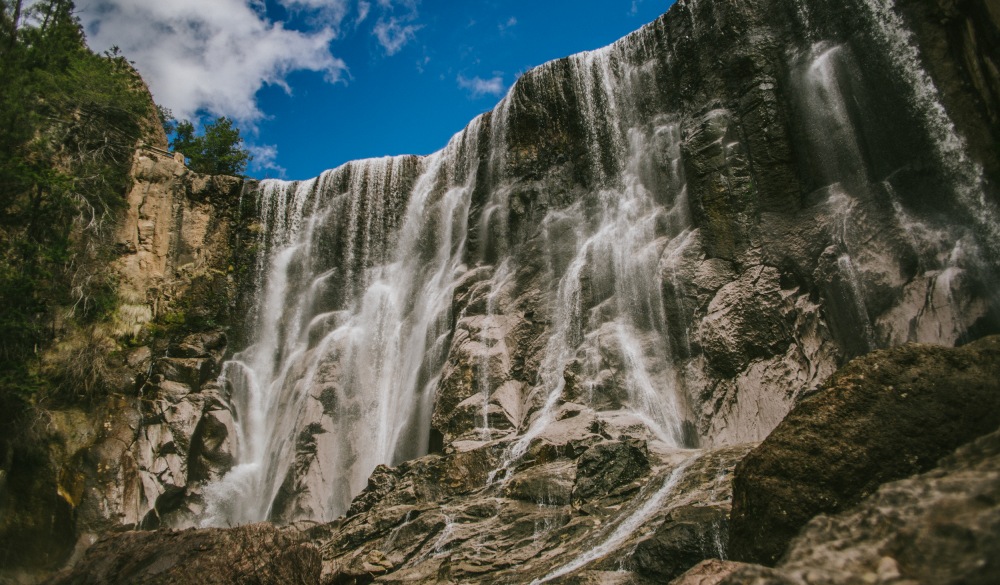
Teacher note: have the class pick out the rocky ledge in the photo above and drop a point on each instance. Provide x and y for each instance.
(596, 500)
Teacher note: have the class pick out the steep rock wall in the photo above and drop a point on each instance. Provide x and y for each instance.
(125, 459)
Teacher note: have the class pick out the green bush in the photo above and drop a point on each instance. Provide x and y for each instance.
(218, 151)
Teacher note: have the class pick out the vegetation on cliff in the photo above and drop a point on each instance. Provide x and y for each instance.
(69, 123)
(217, 151)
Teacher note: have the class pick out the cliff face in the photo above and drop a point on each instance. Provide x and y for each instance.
(94, 468)
(587, 307)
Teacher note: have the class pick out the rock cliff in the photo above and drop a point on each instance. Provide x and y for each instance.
(122, 461)
(539, 354)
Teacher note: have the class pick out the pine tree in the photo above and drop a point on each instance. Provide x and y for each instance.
(69, 123)
(219, 151)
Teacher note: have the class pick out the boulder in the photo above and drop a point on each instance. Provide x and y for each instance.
(688, 535)
(882, 417)
(939, 527)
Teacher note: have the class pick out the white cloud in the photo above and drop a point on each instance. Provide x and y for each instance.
(265, 160)
(509, 23)
(363, 9)
(215, 55)
(326, 12)
(422, 64)
(393, 34)
(479, 87)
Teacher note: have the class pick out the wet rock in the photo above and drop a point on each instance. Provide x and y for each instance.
(937, 527)
(747, 319)
(885, 416)
(687, 536)
(479, 364)
(607, 466)
(433, 526)
(212, 446)
(550, 484)
(257, 553)
(719, 173)
(381, 482)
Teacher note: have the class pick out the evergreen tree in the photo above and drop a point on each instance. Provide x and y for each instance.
(69, 123)
(219, 151)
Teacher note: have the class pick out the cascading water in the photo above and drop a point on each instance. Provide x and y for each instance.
(353, 316)
(627, 525)
(603, 254)
(354, 313)
(831, 92)
(359, 268)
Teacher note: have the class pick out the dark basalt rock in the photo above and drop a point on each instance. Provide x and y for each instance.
(882, 417)
(607, 466)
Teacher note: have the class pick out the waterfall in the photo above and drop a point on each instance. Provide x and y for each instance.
(353, 309)
(563, 217)
(844, 156)
(627, 526)
(357, 269)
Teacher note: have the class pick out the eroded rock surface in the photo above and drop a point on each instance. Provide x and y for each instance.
(256, 553)
(448, 518)
(137, 457)
(886, 416)
(937, 527)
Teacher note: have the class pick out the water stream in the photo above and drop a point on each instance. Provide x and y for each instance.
(627, 526)
(354, 313)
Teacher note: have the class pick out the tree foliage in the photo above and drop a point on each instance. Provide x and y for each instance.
(218, 151)
(69, 123)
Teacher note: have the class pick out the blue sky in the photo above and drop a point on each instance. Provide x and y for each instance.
(316, 83)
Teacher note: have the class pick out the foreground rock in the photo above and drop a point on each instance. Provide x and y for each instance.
(256, 553)
(939, 527)
(883, 417)
(452, 518)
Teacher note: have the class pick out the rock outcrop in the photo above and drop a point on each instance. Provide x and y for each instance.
(938, 527)
(883, 417)
(255, 553)
(134, 458)
(446, 518)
